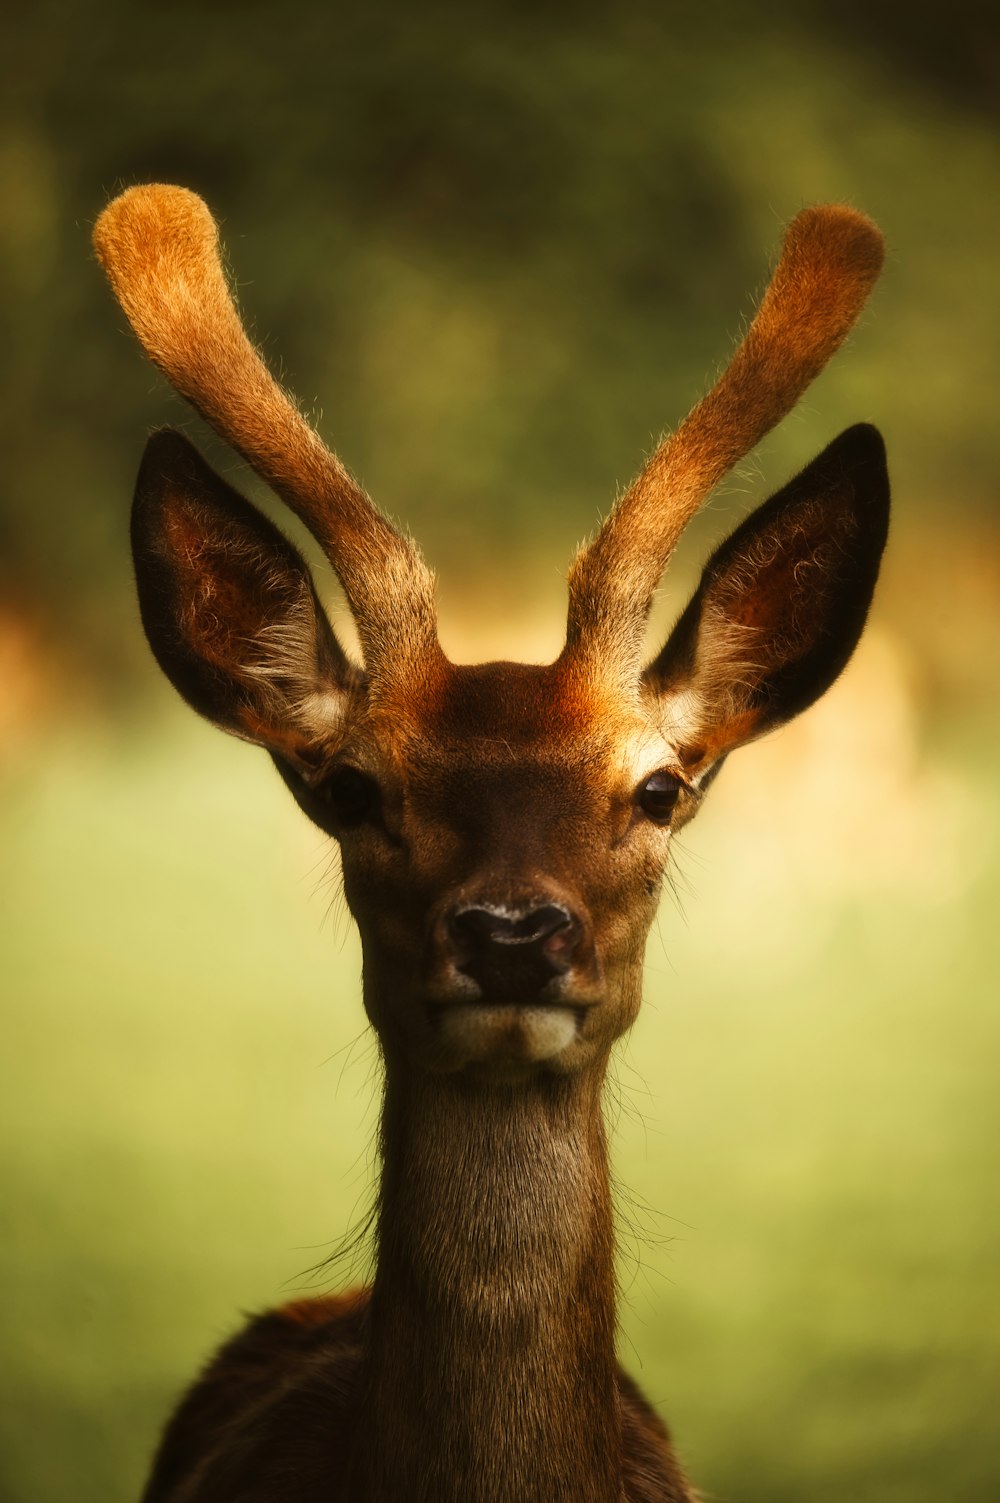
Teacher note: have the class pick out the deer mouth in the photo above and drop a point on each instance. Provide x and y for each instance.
(489, 1032)
(476, 1024)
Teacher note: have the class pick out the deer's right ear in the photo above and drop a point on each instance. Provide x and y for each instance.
(231, 612)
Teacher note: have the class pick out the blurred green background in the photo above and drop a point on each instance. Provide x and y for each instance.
(503, 247)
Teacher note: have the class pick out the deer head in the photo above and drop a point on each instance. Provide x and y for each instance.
(504, 828)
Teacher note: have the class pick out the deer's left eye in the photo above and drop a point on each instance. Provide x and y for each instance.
(657, 797)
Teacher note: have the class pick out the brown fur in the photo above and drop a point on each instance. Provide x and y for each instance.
(481, 1366)
(306, 1358)
(829, 263)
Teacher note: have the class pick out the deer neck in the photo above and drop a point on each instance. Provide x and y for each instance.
(491, 1373)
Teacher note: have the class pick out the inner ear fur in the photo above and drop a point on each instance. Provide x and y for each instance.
(781, 604)
(230, 609)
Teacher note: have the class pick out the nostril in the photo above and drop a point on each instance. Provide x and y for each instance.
(545, 923)
(476, 926)
(495, 926)
(559, 941)
(513, 952)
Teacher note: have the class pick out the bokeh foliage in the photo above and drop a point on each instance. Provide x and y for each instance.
(504, 246)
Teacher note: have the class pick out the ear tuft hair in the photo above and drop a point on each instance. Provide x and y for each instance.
(230, 609)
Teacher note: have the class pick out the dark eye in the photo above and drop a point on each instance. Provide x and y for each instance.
(351, 795)
(657, 797)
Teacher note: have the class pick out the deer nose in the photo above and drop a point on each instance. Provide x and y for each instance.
(513, 955)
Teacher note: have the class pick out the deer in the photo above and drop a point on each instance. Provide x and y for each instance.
(504, 832)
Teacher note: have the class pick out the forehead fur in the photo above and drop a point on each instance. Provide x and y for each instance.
(492, 714)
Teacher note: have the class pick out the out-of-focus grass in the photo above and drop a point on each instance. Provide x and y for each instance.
(808, 1132)
(179, 1139)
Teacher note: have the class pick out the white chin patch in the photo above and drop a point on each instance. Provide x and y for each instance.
(519, 1035)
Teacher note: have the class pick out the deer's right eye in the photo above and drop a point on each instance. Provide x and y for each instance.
(351, 796)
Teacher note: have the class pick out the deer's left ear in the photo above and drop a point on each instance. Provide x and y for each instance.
(780, 607)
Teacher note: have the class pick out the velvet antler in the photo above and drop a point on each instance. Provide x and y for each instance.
(159, 247)
(829, 263)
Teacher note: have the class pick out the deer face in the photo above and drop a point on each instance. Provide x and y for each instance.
(504, 829)
(503, 861)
